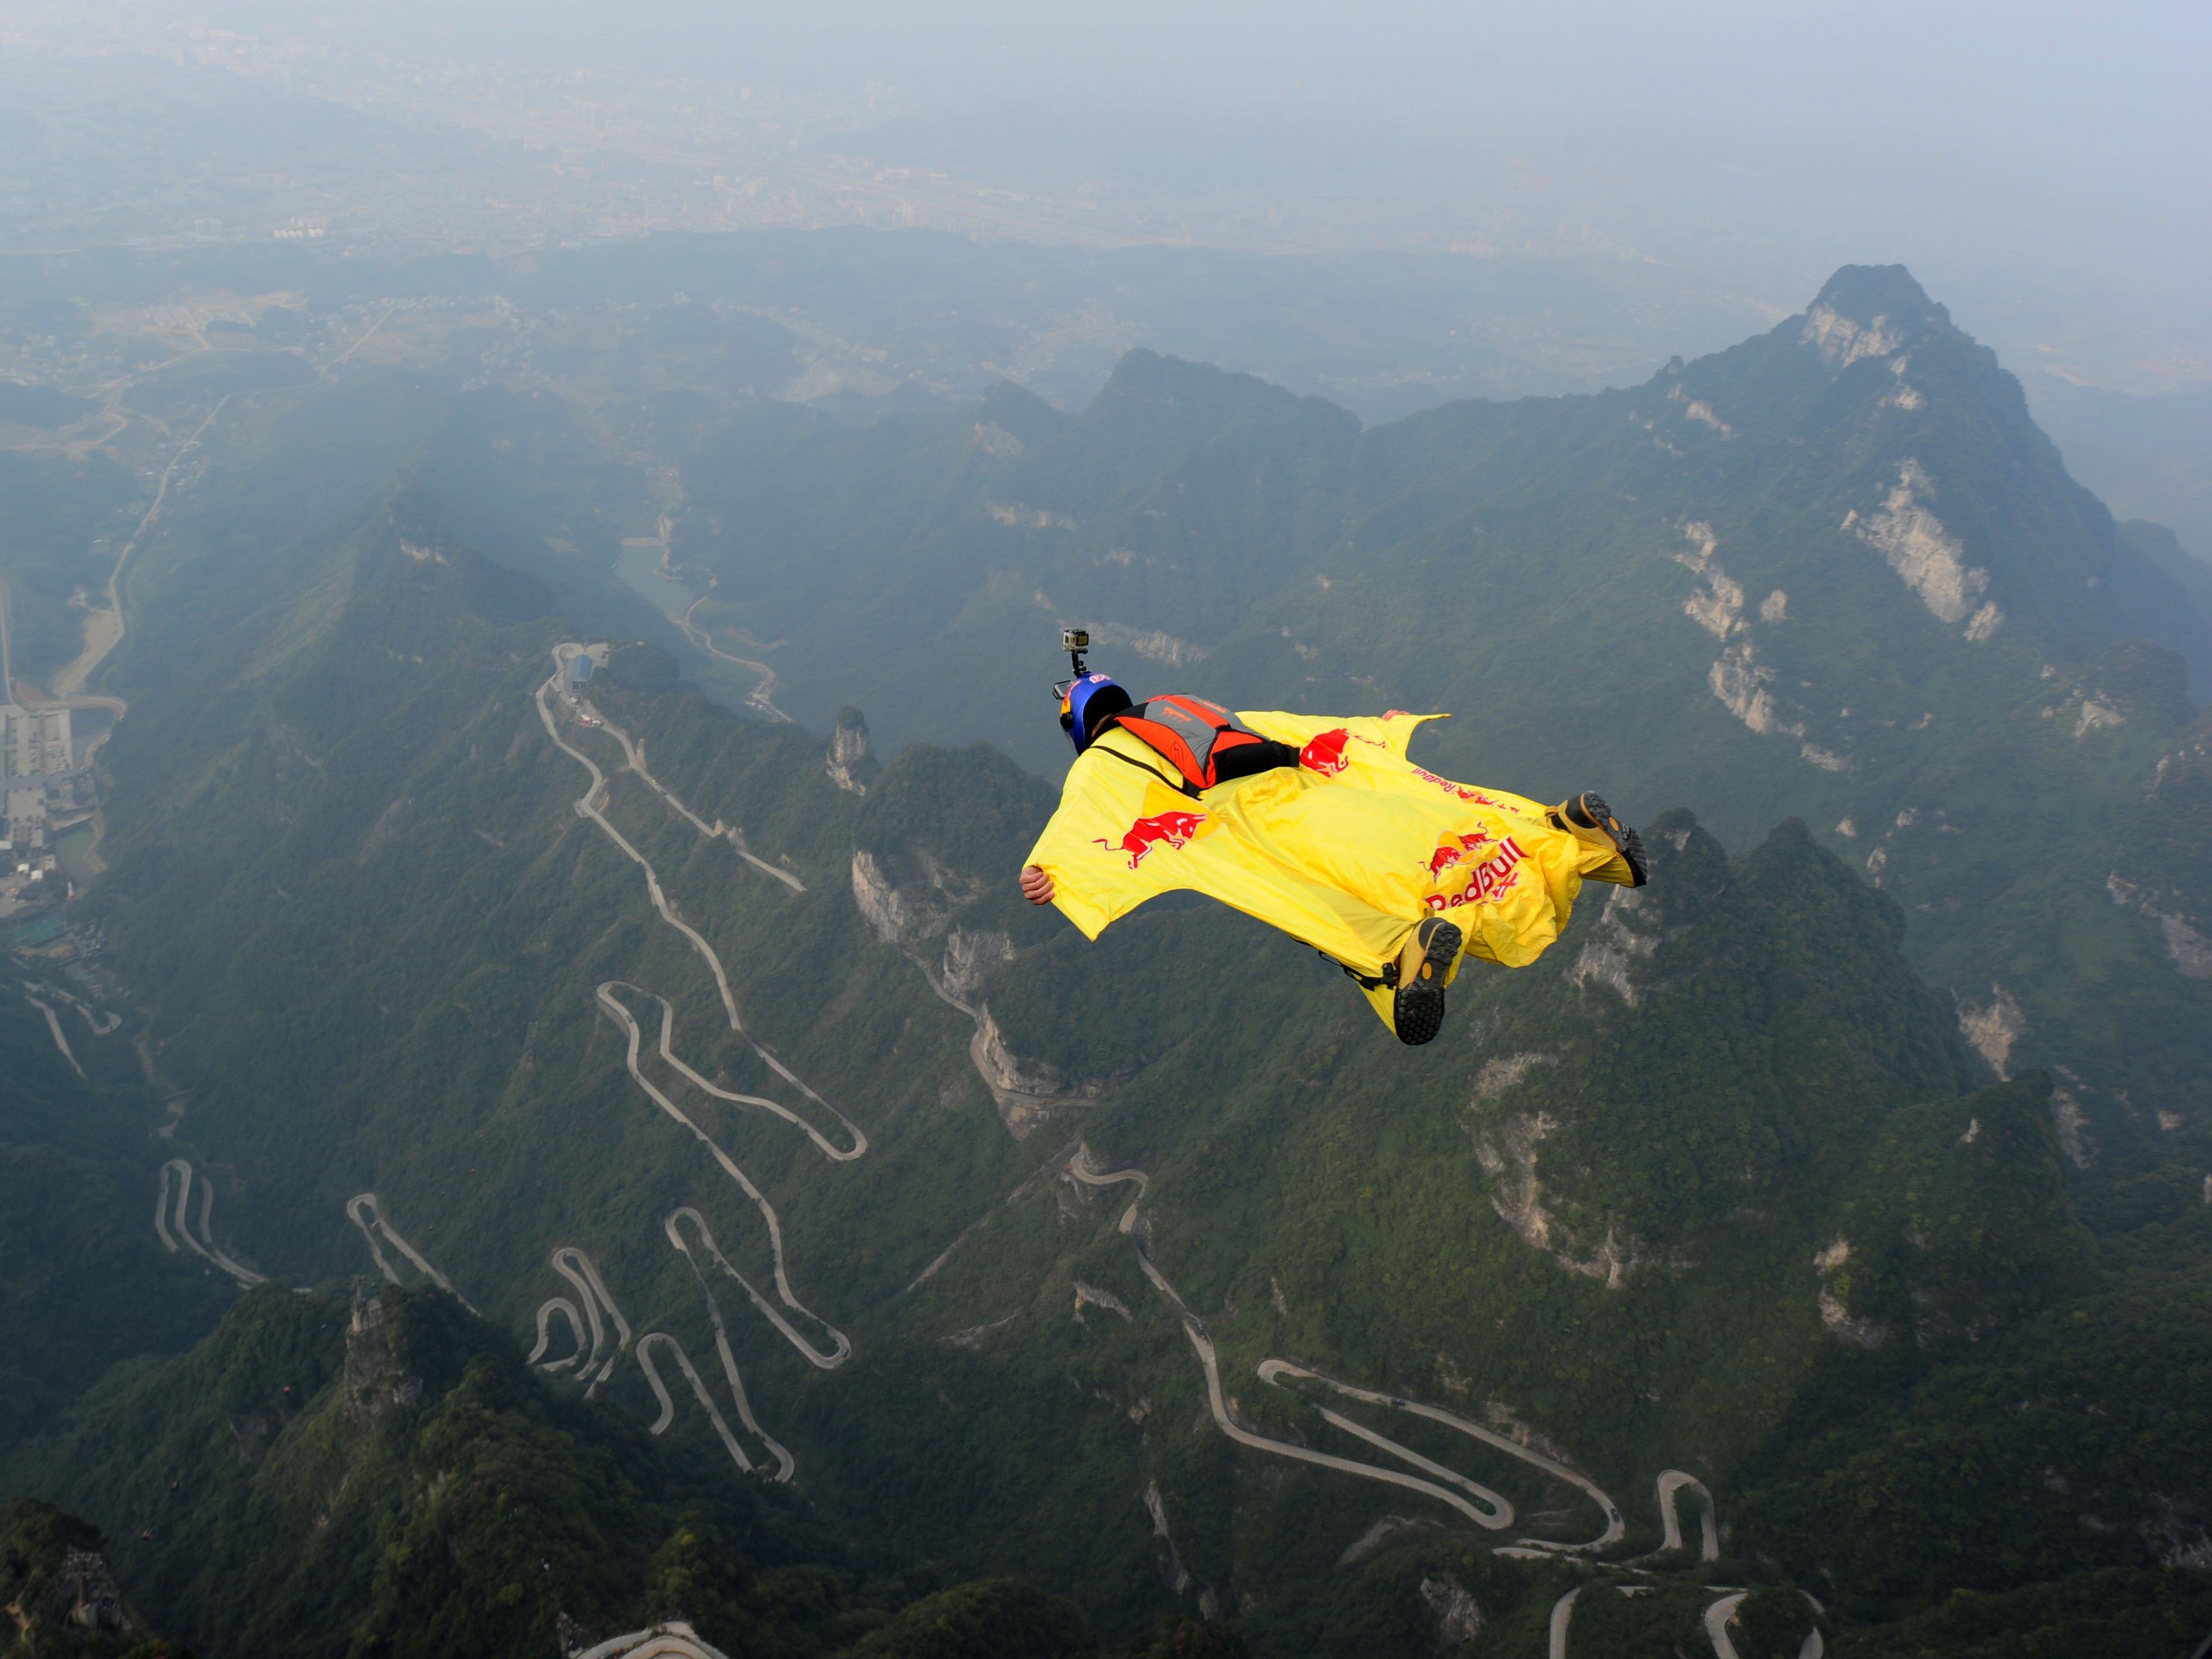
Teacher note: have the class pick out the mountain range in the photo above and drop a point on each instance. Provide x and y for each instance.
(1824, 1223)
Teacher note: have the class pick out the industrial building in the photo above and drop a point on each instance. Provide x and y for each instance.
(41, 776)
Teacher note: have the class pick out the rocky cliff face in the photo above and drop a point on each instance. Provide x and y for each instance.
(848, 750)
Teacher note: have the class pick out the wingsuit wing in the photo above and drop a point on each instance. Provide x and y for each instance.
(1345, 851)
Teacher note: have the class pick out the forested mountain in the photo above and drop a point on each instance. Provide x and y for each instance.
(411, 1489)
(1834, 572)
(1835, 1203)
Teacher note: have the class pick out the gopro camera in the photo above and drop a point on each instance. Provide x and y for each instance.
(1076, 642)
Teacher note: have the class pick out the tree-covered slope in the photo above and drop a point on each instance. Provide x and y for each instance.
(383, 1476)
(84, 1282)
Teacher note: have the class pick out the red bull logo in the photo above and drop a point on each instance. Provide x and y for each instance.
(1493, 877)
(1454, 850)
(1325, 754)
(1176, 829)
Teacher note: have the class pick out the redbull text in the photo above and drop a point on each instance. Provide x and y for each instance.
(1474, 796)
(1492, 879)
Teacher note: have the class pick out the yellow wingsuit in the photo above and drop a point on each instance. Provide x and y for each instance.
(1347, 856)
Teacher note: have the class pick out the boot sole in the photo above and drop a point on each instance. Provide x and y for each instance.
(1417, 1010)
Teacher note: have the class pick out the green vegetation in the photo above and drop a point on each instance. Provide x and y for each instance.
(56, 519)
(48, 1586)
(1957, 1225)
(409, 1489)
(83, 1281)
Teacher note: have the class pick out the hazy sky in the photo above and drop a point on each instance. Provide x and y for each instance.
(1968, 139)
(2039, 162)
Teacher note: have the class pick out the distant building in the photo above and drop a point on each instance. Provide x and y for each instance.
(35, 741)
(42, 928)
(579, 670)
(40, 773)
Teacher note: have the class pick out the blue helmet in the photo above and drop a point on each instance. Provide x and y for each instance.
(1086, 701)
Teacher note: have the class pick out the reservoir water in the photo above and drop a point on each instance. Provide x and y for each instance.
(640, 567)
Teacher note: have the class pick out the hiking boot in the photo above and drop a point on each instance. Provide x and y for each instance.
(1416, 1008)
(1591, 822)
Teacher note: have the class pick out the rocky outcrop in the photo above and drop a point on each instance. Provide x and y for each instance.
(374, 1378)
(82, 1596)
(1990, 1029)
(969, 957)
(1927, 557)
(1621, 942)
(2190, 950)
(1027, 1092)
(1497, 1076)
(1452, 1611)
(1508, 1155)
(913, 915)
(906, 913)
(849, 747)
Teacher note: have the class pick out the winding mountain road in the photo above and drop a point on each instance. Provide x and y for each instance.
(1563, 1612)
(104, 630)
(592, 1297)
(1671, 1484)
(762, 692)
(634, 760)
(674, 1640)
(840, 1348)
(363, 1209)
(567, 1310)
(1815, 1645)
(591, 1291)
(102, 1021)
(736, 1172)
(1485, 1508)
(839, 1154)
(54, 1025)
(785, 1463)
(180, 1172)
